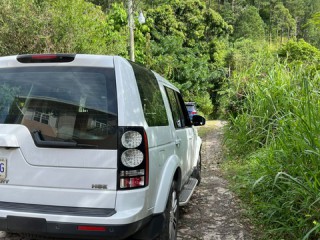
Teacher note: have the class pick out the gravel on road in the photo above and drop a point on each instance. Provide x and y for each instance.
(214, 212)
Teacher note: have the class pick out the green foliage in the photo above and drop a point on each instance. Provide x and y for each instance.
(216, 25)
(205, 104)
(105, 4)
(76, 26)
(311, 28)
(118, 16)
(245, 52)
(276, 135)
(316, 19)
(59, 26)
(302, 11)
(117, 31)
(283, 22)
(187, 44)
(299, 51)
(249, 25)
(21, 27)
(283, 19)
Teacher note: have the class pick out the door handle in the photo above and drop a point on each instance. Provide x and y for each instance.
(178, 141)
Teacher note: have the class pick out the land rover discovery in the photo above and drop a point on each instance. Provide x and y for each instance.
(93, 147)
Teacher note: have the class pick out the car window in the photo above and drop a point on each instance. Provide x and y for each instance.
(150, 95)
(77, 105)
(190, 108)
(178, 109)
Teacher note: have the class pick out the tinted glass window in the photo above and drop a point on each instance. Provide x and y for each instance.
(151, 98)
(66, 107)
(178, 109)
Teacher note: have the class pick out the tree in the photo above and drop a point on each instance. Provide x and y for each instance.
(249, 25)
(77, 26)
(230, 9)
(283, 22)
(187, 46)
(33, 26)
(298, 9)
(106, 4)
(311, 28)
(22, 27)
(116, 40)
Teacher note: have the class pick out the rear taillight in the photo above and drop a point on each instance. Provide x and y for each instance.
(45, 58)
(133, 158)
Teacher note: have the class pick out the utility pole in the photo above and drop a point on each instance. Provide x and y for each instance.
(131, 29)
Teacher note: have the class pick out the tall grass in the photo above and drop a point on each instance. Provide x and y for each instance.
(276, 134)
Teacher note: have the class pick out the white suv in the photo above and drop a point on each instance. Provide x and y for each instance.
(93, 147)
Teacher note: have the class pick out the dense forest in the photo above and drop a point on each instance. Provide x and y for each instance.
(254, 63)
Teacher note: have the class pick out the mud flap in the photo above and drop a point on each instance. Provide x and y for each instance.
(152, 229)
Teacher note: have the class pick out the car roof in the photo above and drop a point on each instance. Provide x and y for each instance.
(190, 103)
(165, 82)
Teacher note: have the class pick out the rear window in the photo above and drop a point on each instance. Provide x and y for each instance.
(191, 108)
(62, 106)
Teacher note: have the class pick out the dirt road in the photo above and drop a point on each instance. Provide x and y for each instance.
(213, 213)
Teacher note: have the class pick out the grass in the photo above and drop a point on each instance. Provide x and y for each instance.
(273, 141)
(210, 125)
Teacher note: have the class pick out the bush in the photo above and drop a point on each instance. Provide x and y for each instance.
(300, 51)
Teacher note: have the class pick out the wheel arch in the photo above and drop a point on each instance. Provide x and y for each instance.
(171, 172)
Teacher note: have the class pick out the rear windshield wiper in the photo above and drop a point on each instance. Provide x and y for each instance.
(41, 142)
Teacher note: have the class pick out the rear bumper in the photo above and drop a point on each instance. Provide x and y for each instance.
(41, 227)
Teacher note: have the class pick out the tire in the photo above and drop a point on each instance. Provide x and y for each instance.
(197, 171)
(171, 215)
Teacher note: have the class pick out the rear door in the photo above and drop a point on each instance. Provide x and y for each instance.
(183, 132)
(61, 122)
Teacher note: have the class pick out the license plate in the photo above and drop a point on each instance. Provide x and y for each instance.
(3, 168)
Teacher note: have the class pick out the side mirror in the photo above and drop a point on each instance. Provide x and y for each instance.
(198, 120)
